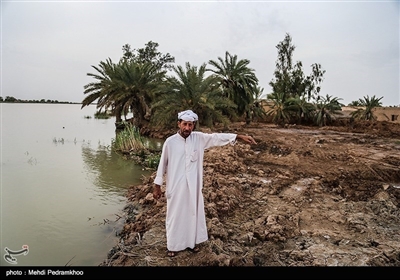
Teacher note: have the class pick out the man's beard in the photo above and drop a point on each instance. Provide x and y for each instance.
(185, 133)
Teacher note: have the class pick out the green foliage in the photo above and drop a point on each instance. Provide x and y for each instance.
(132, 144)
(101, 115)
(152, 161)
(238, 81)
(130, 84)
(257, 111)
(368, 104)
(326, 110)
(296, 98)
(285, 72)
(11, 99)
(149, 54)
(313, 82)
(280, 110)
(302, 109)
(189, 88)
(129, 140)
(103, 88)
(139, 84)
(289, 77)
(354, 103)
(123, 87)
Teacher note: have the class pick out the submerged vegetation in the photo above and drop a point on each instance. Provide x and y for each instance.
(102, 115)
(129, 142)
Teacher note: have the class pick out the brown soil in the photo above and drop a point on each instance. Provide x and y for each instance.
(303, 196)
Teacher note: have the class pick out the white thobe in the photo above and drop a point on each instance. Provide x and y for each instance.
(182, 162)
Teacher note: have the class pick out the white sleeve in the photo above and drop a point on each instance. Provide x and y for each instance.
(218, 139)
(162, 166)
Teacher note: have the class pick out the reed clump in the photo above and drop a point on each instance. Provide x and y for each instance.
(132, 144)
(129, 140)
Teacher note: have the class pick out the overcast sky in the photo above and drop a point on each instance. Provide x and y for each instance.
(48, 47)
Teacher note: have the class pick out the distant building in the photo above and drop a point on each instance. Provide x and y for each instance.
(389, 114)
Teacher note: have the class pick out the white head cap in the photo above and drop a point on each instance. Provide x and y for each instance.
(188, 116)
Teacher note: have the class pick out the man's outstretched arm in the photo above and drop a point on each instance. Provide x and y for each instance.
(246, 138)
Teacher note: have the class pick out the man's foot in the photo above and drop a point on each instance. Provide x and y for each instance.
(196, 249)
(171, 254)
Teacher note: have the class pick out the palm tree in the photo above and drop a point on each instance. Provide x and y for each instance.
(104, 87)
(140, 84)
(123, 87)
(301, 107)
(238, 81)
(256, 109)
(354, 103)
(280, 109)
(326, 109)
(369, 104)
(190, 89)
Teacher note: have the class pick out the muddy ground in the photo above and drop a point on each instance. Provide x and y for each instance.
(303, 196)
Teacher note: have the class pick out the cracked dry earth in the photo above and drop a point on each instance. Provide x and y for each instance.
(303, 196)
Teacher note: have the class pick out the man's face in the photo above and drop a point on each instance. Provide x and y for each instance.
(185, 128)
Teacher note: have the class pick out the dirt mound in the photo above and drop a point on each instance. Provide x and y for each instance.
(303, 196)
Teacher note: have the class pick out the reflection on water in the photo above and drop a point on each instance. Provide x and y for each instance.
(153, 144)
(62, 187)
(108, 170)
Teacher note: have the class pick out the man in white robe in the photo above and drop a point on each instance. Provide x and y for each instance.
(182, 162)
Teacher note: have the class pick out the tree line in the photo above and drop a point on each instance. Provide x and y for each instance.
(146, 83)
(12, 99)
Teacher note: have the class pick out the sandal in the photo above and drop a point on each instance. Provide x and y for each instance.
(171, 254)
(196, 249)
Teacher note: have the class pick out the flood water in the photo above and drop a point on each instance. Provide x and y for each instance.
(62, 187)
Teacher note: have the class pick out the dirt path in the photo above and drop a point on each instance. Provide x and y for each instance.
(301, 197)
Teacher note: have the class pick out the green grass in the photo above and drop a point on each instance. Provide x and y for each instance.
(129, 140)
(152, 161)
(131, 143)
